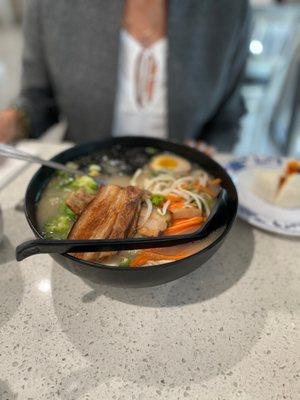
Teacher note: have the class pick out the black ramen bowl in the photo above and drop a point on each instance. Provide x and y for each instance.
(140, 276)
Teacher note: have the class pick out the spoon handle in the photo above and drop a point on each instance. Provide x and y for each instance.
(41, 246)
(12, 152)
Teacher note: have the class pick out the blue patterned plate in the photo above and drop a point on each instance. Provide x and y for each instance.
(255, 210)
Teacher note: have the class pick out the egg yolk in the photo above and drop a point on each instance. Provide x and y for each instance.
(168, 162)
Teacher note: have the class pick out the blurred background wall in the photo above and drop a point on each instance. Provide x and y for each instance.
(271, 87)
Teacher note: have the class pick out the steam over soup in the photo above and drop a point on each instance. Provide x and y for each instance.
(132, 192)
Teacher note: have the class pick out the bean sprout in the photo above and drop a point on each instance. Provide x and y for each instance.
(181, 181)
(164, 210)
(180, 193)
(206, 206)
(163, 178)
(135, 177)
(148, 213)
(195, 198)
(166, 184)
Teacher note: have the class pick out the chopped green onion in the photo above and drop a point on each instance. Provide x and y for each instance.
(157, 199)
(72, 165)
(65, 210)
(94, 167)
(94, 170)
(63, 180)
(156, 173)
(58, 227)
(85, 182)
(151, 150)
(125, 262)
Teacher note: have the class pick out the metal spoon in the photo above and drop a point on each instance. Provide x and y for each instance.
(12, 152)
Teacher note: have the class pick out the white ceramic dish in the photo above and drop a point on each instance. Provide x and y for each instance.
(255, 210)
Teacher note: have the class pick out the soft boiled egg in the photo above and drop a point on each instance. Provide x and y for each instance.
(170, 163)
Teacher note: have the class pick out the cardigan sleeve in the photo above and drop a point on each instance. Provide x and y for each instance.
(224, 126)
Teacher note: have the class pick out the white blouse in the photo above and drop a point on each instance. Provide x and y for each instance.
(141, 101)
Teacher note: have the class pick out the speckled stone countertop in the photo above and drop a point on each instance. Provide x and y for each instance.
(226, 331)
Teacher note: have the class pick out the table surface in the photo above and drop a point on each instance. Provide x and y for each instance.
(230, 330)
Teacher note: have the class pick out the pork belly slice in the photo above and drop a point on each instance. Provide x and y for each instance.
(111, 215)
(129, 202)
(156, 223)
(79, 200)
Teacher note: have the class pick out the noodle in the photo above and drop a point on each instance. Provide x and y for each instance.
(135, 177)
(148, 213)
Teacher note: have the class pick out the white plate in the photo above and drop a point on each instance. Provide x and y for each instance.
(255, 210)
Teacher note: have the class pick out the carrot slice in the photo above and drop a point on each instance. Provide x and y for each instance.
(177, 204)
(173, 197)
(148, 255)
(182, 225)
(192, 221)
